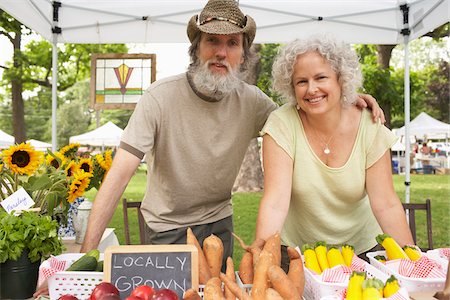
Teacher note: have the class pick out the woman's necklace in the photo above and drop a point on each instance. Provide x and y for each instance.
(325, 145)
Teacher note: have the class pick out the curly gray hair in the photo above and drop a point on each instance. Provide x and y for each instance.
(342, 58)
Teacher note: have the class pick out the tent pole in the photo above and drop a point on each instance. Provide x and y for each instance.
(406, 32)
(54, 89)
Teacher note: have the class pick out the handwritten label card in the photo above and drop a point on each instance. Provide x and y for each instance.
(20, 200)
(173, 267)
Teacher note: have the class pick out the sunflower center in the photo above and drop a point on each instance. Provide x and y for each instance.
(20, 158)
(55, 163)
(85, 167)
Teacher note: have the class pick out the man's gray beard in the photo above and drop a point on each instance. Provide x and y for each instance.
(210, 84)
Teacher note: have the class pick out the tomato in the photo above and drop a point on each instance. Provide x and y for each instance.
(165, 294)
(103, 288)
(68, 297)
(144, 292)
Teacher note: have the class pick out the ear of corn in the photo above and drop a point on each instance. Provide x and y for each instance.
(334, 257)
(391, 287)
(393, 249)
(311, 258)
(354, 289)
(372, 289)
(321, 252)
(348, 252)
(413, 252)
(380, 258)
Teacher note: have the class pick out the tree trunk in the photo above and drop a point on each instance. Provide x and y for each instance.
(250, 177)
(383, 58)
(18, 111)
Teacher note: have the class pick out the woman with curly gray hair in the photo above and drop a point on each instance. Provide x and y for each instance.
(327, 166)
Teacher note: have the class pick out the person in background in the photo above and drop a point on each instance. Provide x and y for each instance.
(327, 166)
(425, 149)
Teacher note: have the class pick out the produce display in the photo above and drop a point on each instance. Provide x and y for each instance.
(362, 288)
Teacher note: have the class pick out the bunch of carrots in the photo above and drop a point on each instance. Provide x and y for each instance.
(260, 266)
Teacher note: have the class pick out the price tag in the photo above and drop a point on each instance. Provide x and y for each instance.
(20, 200)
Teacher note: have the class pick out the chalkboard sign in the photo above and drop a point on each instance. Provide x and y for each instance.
(160, 266)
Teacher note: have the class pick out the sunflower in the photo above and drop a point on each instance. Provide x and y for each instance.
(86, 165)
(70, 150)
(71, 168)
(56, 160)
(78, 185)
(105, 161)
(22, 159)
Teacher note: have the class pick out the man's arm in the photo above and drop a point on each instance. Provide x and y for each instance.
(123, 167)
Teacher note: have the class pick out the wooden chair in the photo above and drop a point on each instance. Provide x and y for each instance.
(136, 205)
(411, 209)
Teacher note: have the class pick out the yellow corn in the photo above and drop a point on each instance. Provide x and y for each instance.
(311, 258)
(321, 252)
(391, 287)
(372, 289)
(393, 249)
(334, 257)
(354, 289)
(347, 252)
(413, 252)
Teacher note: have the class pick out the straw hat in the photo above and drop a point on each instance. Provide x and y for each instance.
(221, 17)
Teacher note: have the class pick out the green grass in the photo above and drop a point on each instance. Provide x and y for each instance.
(245, 205)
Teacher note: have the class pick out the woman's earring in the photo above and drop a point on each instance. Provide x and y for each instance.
(298, 107)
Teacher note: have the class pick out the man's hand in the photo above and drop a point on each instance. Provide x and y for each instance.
(365, 100)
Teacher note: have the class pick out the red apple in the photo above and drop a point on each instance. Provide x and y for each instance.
(144, 292)
(133, 298)
(109, 296)
(103, 288)
(165, 294)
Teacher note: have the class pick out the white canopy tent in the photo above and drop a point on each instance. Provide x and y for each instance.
(106, 135)
(150, 21)
(426, 127)
(6, 140)
(39, 145)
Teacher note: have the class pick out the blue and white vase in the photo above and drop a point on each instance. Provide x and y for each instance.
(69, 229)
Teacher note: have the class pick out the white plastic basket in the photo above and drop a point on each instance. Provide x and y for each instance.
(315, 289)
(411, 284)
(78, 284)
(441, 259)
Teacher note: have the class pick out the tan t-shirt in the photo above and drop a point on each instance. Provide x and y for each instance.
(194, 149)
(329, 204)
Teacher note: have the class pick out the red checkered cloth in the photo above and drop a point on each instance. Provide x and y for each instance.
(51, 266)
(358, 264)
(422, 268)
(402, 294)
(336, 274)
(445, 252)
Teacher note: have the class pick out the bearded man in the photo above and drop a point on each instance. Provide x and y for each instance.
(193, 130)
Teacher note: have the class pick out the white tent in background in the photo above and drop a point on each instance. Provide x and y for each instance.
(426, 127)
(39, 145)
(6, 140)
(106, 135)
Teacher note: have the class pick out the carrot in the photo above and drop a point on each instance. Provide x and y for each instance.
(241, 242)
(237, 291)
(203, 270)
(213, 249)
(191, 294)
(230, 274)
(282, 284)
(272, 294)
(260, 280)
(296, 272)
(246, 268)
(213, 289)
(292, 253)
(273, 245)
